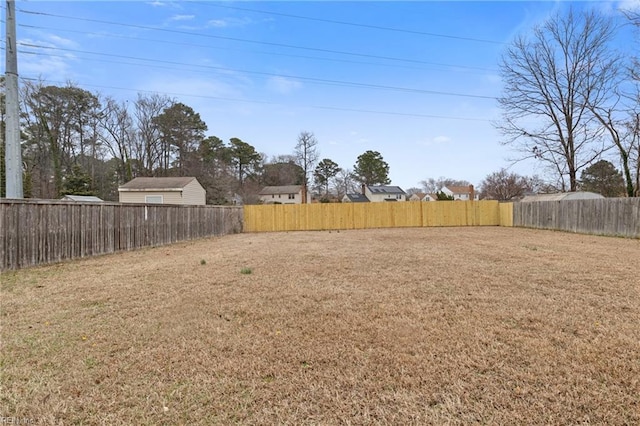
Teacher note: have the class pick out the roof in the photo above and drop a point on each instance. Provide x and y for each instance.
(82, 198)
(419, 195)
(157, 184)
(285, 189)
(357, 198)
(385, 189)
(562, 196)
(458, 189)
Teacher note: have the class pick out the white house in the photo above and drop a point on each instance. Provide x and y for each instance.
(286, 194)
(461, 193)
(430, 197)
(379, 193)
(418, 196)
(163, 190)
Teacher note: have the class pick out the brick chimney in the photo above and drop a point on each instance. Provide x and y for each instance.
(472, 193)
(363, 188)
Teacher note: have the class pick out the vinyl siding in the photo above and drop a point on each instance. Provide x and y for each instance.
(194, 194)
(169, 197)
(282, 198)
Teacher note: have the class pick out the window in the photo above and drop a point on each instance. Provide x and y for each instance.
(273, 195)
(292, 196)
(153, 199)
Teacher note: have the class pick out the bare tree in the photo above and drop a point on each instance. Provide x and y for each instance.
(504, 186)
(634, 17)
(622, 129)
(306, 152)
(551, 78)
(633, 134)
(118, 136)
(150, 151)
(632, 126)
(432, 186)
(345, 183)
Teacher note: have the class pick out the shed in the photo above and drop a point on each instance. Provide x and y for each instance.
(163, 190)
(82, 198)
(562, 196)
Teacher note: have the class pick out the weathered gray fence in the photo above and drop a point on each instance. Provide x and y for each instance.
(34, 232)
(608, 216)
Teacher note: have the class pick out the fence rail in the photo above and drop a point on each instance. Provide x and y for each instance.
(309, 217)
(608, 216)
(34, 232)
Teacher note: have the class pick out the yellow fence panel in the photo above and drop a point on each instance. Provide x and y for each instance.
(506, 214)
(308, 217)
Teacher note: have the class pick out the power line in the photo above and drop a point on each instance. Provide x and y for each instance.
(154, 66)
(309, 79)
(179, 43)
(271, 103)
(289, 46)
(352, 24)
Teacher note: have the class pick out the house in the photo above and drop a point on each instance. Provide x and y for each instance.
(562, 196)
(418, 196)
(379, 193)
(235, 199)
(461, 193)
(430, 197)
(355, 198)
(82, 198)
(286, 194)
(163, 190)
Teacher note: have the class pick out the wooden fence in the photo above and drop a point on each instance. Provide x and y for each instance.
(308, 217)
(608, 216)
(34, 232)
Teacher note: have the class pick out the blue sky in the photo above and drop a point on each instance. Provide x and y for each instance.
(415, 81)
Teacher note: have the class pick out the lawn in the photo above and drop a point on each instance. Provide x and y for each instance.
(396, 326)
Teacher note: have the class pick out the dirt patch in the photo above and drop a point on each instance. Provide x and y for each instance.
(404, 326)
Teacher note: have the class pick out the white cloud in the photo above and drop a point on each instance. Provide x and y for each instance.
(46, 67)
(218, 23)
(60, 41)
(283, 85)
(441, 139)
(182, 17)
(630, 5)
(45, 63)
(438, 140)
(166, 3)
(228, 22)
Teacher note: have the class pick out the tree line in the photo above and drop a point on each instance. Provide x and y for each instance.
(79, 142)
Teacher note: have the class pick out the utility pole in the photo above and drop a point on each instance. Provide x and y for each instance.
(13, 152)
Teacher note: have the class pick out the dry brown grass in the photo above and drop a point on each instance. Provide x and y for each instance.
(395, 326)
